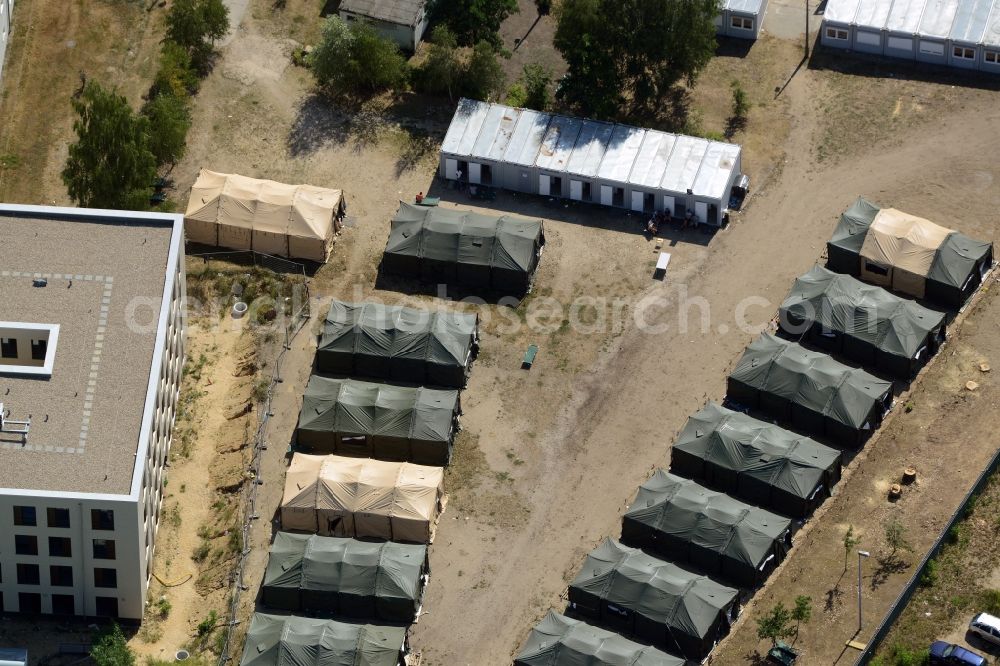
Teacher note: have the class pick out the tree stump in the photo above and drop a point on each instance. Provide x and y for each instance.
(909, 475)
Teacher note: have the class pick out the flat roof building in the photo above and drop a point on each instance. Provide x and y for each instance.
(584, 160)
(959, 33)
(402, 21)
(92, 333)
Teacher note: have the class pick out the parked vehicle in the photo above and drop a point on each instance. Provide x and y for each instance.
(951, 654)
(987, 627)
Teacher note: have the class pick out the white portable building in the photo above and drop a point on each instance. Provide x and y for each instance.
(553, 156)
(519, 173)
(585, 160)
(741, 18)
(960, 33)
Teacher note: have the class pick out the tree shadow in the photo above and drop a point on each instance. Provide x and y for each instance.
(321, 121)
(419, 145)
(671, 112)
(518, 42)
(887, 566)
(734, 124)
(755, 658)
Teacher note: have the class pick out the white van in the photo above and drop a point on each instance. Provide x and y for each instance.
(986, 627)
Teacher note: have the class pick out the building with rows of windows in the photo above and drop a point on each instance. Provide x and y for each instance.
(91, 355)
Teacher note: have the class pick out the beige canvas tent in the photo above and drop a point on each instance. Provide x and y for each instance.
(228, 210)
(361, 497)
(899, 251)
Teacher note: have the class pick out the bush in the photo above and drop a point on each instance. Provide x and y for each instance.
(195, 25)
(169, 120)
(442, 70)
(741, 102)
(176, 75)
(517, 96)
(355, 59)
(930, 575)
(537, 82)
(111, 649)
(989, 601)
(207, 626)
(484, 77)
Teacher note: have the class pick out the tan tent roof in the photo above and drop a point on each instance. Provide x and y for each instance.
(288, 220)
(361, 497)
(904, 241)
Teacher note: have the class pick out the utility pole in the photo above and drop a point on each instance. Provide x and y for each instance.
(861, 554)
(807, 29)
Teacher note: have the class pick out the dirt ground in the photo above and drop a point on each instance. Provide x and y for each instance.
(549, 458)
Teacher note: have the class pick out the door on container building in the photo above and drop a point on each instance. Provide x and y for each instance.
(544, 185)
(701, 211)
(637, 201)
(576, 190)
(606, 195)
(450, 169)
(475, 173)
(668, 205)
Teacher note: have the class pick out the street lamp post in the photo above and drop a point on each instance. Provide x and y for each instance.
(861, 554)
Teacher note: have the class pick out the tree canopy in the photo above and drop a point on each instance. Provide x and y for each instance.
(473, 21)
(169, 120)
(625, 55)
(110, 165)
(111, 649)
(354, 58)
(195, 25)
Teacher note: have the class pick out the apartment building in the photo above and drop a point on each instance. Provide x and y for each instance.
(91, 355)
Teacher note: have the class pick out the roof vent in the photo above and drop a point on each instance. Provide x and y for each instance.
(39, 282)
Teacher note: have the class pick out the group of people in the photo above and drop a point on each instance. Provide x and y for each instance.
(662, 217)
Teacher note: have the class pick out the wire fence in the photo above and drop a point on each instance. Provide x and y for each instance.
(911, 586)
(226, 259)
(292, 326)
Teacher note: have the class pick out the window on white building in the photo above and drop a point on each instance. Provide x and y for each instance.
(834, 33)
(992, 57)
(102, 519)
(60, 547)
(105, 577)
(964, 53)
(57, 517)
(742, 23)
(104, 549)
(60, 576)
(24, 516)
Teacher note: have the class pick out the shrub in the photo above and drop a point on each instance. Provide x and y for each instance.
(741, 102)
(176, 74)
(484, 77)
(354, 58)
(111, 649)
(169, 120)
(930, 575)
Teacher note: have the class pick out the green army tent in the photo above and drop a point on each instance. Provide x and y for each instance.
(810, 390)
(908, 254)
(865, 323)
(276, 640)
(355, 418)
(562, 641)
(460, 247)
(402, 344)
(378, 580)
(687, 522)
(755, 461)
(657, 602)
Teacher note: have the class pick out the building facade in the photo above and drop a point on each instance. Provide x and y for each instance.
(82, 449)
(402, 21)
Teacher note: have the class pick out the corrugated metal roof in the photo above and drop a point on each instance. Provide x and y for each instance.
(970, 21)
(840, 11)
(905, 16)
(873, 13)
(991, 36)
(496, 132)
(557, 146)
(465, 127)
(620, 155)
(652, 159)
(744, 6)
(527, 138)
(402, 12)
(590, 147)
(684, 163)
(937, 18)
(716, 168)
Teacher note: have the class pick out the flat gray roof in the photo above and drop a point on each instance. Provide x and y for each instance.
(591, 149)
(966, 21)
(401, 12)
(86, 419)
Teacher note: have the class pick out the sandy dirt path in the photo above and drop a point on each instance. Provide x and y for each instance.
(619, 422)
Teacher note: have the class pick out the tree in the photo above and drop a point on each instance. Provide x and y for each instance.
(484, 77)
(850, 543)
(111, 649)
(537, 80)
(543, 6)
(474, 21)
(176, 75)
(170, 120)
(195, 25)
(354, 58)
(110, 165)
(625, 55)
(741, 102)
(895, 538)
(442, 70)
(802, 612)
(774, 625)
